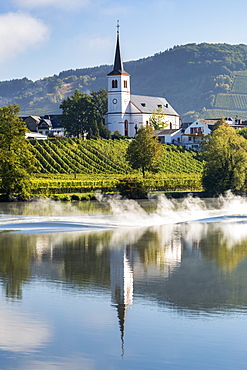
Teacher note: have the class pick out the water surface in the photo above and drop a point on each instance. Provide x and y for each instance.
(116, 284)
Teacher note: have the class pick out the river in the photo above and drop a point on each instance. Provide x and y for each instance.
(120, 284)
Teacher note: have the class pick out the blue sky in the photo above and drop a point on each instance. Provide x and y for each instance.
(40, 38)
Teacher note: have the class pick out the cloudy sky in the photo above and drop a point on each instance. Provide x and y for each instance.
(40, 38)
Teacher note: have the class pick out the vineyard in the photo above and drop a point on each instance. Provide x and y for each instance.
(74, 166)
(239, 84)
(232, 101)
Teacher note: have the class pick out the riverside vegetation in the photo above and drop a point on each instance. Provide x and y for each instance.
(73, 169)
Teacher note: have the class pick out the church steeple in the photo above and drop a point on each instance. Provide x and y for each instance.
(118, 64)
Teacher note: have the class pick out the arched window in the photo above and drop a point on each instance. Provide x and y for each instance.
(114, 84)
(126, 126)
(125, 84)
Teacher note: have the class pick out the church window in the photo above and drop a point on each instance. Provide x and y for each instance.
(126, 128)
(125, 84)
(114, 84)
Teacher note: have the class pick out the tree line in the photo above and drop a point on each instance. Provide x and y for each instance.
(224, 151)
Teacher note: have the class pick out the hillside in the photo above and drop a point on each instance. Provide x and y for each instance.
(70, 156)
(72, 166)
(205, 80)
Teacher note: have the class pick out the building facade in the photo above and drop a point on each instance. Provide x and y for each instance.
(127, 113)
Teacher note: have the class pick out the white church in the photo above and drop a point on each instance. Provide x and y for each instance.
(126, 112)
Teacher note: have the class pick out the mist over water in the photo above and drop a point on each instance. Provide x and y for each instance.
(125, 213)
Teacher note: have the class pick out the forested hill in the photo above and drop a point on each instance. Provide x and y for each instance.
(205, 80)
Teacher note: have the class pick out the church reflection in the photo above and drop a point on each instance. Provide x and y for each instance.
(121, 269)
(190, 266)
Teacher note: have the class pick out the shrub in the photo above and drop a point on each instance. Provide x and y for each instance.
(132, 189)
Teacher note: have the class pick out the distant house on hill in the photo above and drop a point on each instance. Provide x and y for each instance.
(127, 113)
(45, 125)
(32, 122)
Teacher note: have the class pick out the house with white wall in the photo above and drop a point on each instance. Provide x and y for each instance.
(169, 136)
(192, 136)
(126, 112)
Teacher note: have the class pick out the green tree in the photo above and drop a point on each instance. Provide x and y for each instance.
(242, 132)
(219, 123)
(157, 120)
(83, 112)
(226, 161)
(76, 111)
(16, 160)
(144, 151)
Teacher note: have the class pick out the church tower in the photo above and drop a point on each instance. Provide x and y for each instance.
(118, 114)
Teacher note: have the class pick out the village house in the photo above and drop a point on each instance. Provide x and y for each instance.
(126, 112)
(169, 136)
(45, 125)
(191, 136)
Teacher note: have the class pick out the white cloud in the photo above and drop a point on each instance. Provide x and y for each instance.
(21, 332)
(18, 33)
(67, 4)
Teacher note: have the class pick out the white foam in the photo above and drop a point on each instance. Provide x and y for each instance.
(129, 213)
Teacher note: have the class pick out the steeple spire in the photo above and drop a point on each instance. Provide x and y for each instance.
(118, 64)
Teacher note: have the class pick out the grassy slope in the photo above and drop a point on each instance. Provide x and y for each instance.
(70, 156)
(77, 166)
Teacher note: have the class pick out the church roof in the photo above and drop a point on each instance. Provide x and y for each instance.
(150, 104)
(118, 64)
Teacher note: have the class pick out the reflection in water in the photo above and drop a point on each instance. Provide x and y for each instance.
(22, 332)
(121, 283)
(117, 258)
(191, 269)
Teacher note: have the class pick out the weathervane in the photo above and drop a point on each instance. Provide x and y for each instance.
(118, 26)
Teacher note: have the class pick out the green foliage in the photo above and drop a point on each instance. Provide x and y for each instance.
(56, 187)
(74, 166)
(117, 135)
(219, 123)
(144, 151)
(226, 161)
(132, 188)
(242, 132)
(157, 119)
(16, 159)
(83, 113)
(70, 156)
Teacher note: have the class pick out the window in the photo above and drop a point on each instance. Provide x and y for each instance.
(114, 84)
(125, 84)
(126, 127)
(143, 104)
